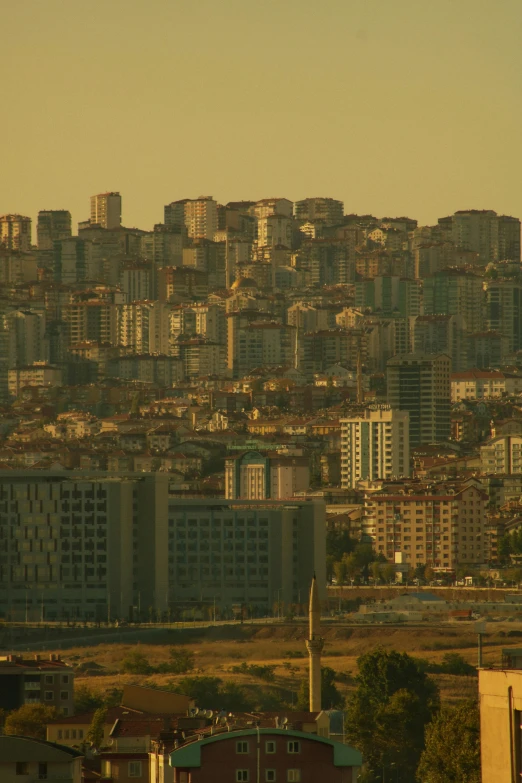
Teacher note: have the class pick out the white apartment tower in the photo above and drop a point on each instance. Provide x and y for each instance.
(106, 210)
(375, 446)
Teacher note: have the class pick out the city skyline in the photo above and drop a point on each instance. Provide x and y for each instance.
(398, 109)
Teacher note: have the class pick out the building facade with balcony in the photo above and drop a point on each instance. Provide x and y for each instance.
(36, 681)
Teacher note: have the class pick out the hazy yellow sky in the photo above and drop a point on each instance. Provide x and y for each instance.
(395, 106)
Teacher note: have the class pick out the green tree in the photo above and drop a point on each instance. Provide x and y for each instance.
(135, 662)
(30, 720)
(204, 690)
(388, 573)
(339, 543)
(331, 698)
(389, 709)
(86, 700)
(454, 663)
(234, 698)
(340, 571)
(181, 662)
(505, 548)
(452, 753)
(376, 571)
(96, 729)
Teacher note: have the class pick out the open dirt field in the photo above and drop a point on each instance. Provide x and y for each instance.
(217, 649)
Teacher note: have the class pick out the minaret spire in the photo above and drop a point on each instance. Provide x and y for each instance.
(314, 645)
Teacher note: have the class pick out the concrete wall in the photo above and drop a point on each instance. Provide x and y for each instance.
(500, 693)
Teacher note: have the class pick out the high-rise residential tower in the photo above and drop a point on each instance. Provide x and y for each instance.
(15, 232)
(375, 445)
(504, 310)
(420, 384)
(456, 292)
(328, 210)
(106, 210)
(53, 225)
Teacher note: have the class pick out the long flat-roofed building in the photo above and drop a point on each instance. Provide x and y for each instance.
(87, 545)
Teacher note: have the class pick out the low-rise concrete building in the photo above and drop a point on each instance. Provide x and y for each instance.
(24, 759)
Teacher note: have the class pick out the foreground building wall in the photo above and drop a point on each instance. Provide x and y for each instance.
(500, 695)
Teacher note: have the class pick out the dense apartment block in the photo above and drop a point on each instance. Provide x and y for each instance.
(483, 384)
(442, 527)
(456, 291)
(15, 232)
(53, 225)
(326, 210)
(36, 680)
(375, 446)
(389, 295)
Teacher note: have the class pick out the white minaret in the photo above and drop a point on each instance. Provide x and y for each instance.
(314, 645)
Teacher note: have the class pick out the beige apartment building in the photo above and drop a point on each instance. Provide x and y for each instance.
(375, 446)
(201, 217)
(443, 527)
(37, 374)
(15, 232)
(106, 210)
(274, 230)
(502, 454)
(273, 206)
(483, 384)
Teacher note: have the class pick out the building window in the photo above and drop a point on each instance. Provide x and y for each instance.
(49, 696)
(294, 746)
(49, 679)
(242, 747)
(293, 775)
(22, 768)
(42, 770)
(242, 776)
(65, 679)
(65, 711)
(64, 695)
(60, 734)
(135, 769)
(270, 775)
(270, 747)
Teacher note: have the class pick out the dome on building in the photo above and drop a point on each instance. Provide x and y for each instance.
(244, 282)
